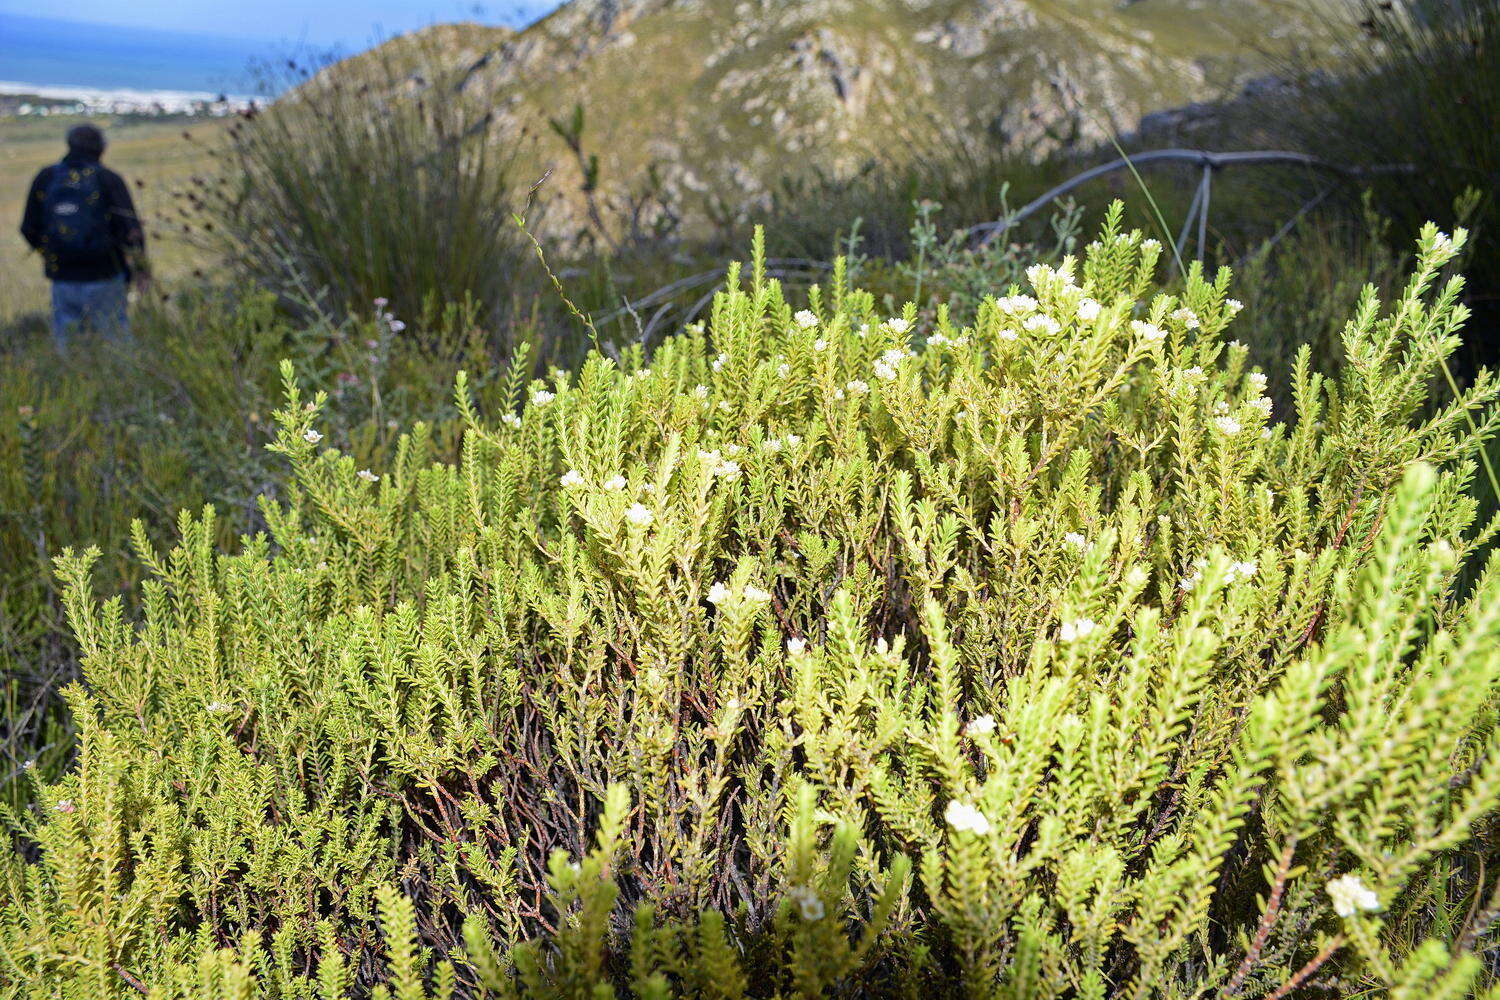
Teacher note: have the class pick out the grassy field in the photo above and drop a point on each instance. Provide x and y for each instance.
(153, 157)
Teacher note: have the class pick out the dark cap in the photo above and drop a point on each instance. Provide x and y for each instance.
(85, 140)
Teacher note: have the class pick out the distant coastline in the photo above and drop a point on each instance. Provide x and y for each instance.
(124, 100)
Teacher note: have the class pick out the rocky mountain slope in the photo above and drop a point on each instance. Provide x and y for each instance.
(721, 97)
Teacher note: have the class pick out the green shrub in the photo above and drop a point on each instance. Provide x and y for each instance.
(175, 416)
(1035, 662)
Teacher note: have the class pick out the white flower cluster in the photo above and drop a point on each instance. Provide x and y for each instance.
(777, 443)
(1017, 305)
(886, 367)
(806, 319)
(368, 476)
(1079, 628)
(966, 818)
(719, 593)
(389, 319)
(1350, 895)
(808, 903)
(1149, 332)
(717, 465)
(1187, 318)
(981, 726)
(1239, 570)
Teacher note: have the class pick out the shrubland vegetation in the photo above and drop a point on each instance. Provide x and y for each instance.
(1015, 660)
(1022, 620)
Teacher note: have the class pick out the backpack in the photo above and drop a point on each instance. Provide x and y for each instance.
(75, 214)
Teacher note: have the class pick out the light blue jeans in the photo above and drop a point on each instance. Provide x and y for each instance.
(89, 306)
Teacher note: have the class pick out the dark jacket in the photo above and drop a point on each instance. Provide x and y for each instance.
(124, 225)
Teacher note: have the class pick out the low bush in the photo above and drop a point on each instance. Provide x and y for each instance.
(820, 653)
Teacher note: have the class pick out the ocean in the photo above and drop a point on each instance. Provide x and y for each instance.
(50, 54)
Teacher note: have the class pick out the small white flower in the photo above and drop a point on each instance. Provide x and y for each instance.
(806, 319)
(884, 371)
(312, 436)
(1147, 331)
(397, 326)
(65, 806)
(510, 420)
(615, 483)
(808, 903)
(771, 444)
(1081, 628)
(783, 370)
(793, 440)
(755, 595)
(727, 469)
(964, 817)
(638, 514)
(571, 478)
(1233, 306)
(723, 404)
(700, 391)
(1227, 425)
(858, 387)
(1187, 318)
(895, 356)
(1042, 323)
(1350, 895)
(643, 373)
(1075, 539)
(219, 708)
(1258, 381)
(1150, 245)
(720, 361)
(1443, 244)
(1262, 403)
(1007, 334)
(368, 476)
(936, 340)
(541, 397)
(732, 449)
(1017, 304)
(1242, 570)
(980, 726)
(820, 344)
(1265, 433)
(382, 302)
(898, 325)
(718, 594)
(796, 647)
(838, 394)
(864, 330)
(1089, 310)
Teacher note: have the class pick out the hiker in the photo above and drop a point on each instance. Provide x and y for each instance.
(79, 216)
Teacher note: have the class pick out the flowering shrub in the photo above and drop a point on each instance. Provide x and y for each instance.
(822, 653)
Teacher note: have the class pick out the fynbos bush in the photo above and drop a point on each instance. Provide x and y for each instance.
(818, 655)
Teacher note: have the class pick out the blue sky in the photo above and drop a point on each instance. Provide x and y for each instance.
(351, 24)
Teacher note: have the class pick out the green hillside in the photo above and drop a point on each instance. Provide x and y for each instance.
(724, 97)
